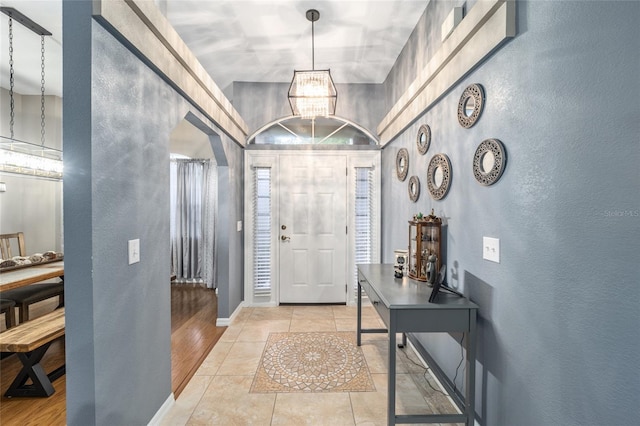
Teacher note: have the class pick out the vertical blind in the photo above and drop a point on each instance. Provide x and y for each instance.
(262, 231)
(363, 214)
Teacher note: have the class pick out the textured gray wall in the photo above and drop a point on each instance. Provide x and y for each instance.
(559, 323)
(118, 119)
(262, 103)
(423, 43)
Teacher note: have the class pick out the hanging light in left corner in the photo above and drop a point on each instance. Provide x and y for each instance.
(23, 157)
(29, 159)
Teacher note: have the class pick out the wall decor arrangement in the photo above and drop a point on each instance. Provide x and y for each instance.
(439, 176)
(489, 161)
(402, 164)
(470, 105)
(414, 188)
(424, 139)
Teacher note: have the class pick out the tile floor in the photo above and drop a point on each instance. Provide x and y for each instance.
(218, 394)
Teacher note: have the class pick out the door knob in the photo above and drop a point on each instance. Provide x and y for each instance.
(285, 238)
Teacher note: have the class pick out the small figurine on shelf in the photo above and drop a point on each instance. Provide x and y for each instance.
(431, 270)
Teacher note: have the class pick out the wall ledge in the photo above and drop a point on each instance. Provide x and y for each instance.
(142, 25)
(487, 26)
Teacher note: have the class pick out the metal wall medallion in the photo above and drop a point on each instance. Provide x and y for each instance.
(402, 164)
(489, 161)
(424, 139)
(414, 188)
(470, 105)
(439, 176)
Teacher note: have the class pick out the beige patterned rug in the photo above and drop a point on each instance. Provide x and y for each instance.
(312, 362)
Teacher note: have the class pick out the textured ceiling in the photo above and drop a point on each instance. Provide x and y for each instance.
(243, 40)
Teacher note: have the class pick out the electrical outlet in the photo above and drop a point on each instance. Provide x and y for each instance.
(134, 251)
(491, 249)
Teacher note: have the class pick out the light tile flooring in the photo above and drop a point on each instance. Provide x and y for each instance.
(218, 394)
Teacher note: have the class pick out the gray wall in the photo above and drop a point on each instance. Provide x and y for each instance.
(262, 103)
(117, 123)
(559, 323)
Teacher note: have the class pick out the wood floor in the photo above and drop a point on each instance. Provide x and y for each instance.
(193, 334)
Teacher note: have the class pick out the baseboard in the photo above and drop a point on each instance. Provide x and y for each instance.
(164, 409)
(225, 322)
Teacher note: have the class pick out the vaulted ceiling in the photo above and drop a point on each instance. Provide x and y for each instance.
(241, 40)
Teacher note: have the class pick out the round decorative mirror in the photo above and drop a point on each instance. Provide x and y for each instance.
(439, 176)
(489, 161)
(470, 105)
(402, 164)
(424, 139)
(414, 188)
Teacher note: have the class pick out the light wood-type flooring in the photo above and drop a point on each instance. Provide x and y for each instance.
(193, 335)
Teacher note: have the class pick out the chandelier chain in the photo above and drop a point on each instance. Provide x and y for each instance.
(11, 79)
(42, 127)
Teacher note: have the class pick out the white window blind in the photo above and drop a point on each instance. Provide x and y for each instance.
(262, 231)
(363, 214)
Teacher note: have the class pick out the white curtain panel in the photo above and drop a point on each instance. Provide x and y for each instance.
(193, 195)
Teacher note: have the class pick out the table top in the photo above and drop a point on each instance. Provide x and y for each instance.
(33, 274)
(406, 293)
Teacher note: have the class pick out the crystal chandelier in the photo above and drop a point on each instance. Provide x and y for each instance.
(312, 93)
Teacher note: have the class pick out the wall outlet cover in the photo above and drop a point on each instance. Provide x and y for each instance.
(491, 249)
(134, 251)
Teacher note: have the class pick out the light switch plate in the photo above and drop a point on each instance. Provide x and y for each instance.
(491, 249)
(134, 251)
(239, 225)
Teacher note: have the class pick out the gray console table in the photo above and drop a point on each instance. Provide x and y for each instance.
(403, 304)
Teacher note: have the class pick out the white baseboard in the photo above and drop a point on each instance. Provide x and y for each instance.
(164, 409)
(225, 322)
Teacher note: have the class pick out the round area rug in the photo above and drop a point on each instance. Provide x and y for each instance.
(312, 362)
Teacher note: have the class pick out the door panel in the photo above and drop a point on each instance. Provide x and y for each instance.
(312, 207)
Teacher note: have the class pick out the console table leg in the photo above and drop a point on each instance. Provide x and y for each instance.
(470, 379)
(391, 385)
(359, 315)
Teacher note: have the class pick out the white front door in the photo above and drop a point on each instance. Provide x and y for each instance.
(313, 223)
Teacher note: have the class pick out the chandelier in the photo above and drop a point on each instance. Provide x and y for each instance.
(312, 93)
(19, 156)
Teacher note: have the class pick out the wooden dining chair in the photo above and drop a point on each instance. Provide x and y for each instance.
(5, 245)
(6, 308)
(25, 296)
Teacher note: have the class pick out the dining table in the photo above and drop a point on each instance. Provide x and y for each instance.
(31, 274)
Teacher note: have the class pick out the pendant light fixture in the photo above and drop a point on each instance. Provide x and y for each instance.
(312, 93)
(18, 156)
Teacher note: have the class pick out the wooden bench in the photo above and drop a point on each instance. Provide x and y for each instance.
(30, 341)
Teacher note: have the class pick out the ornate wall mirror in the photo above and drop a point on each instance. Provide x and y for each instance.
(414, 188)
(439, 176)
(489, 161)
(402, 164)
(470, 105)
(424, 139)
